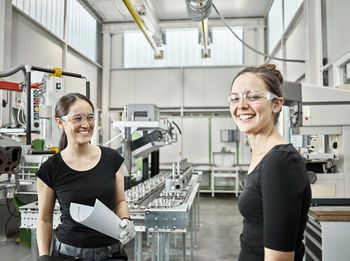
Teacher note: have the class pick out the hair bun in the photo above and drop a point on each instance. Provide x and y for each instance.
(272, 68)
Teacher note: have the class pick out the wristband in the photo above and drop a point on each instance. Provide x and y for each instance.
(126, 218)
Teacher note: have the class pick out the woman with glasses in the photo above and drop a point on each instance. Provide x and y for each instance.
(80, 173)
(276, 199)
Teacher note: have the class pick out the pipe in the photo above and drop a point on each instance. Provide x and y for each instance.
(142, 27)
(29, 108)
(40, 69)
(75, 75)
(14, 70)
(88, 89)
(204, 26)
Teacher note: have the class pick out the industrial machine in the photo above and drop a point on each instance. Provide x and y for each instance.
(156, 133)
(320, 115)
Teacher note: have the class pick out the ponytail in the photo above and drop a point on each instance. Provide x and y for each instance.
(63, 142)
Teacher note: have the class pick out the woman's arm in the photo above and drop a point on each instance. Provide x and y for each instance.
(281, 187)
(46, 201)
(121, 207)
(274, 255)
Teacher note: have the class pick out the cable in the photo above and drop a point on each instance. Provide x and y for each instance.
(20, 113)
(12, 213)
(250, 47)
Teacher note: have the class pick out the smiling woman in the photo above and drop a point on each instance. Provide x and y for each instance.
(277, 196)
(81, 173)
(70, 112)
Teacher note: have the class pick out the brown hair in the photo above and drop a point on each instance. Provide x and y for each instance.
(270, 76)
(62, 108)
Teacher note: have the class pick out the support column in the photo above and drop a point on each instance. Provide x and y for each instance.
(64, 44)
(346, 155)
(127, 158)
(145, 165)
(313, 12)
(154, 163)
(106, 63)
(260, 43)
(5, 34)
(5, 55)
(145, 168)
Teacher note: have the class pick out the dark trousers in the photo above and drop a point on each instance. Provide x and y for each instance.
(113, 252)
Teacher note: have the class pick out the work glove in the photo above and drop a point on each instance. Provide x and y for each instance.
(128, 232)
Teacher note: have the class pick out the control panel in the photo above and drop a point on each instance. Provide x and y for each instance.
(36, 109)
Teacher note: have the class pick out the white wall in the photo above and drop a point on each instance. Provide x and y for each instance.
(202, 87)
(77, 64)
(205, 87)
(296, 49)
(159, 86)
(32, 45)
(336, 39)
(338, 30)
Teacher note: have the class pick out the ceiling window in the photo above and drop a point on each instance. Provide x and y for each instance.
(81, 25)
(290, 7)
(48, 13)
(82, 29)
(182, 48)
(274, 23)
(278, 19)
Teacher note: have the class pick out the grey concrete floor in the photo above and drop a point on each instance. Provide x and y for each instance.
(217, 238)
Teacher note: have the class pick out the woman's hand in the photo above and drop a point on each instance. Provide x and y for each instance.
(129, 231)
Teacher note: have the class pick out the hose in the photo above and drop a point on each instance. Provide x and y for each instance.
(250, 47)
(177, 126)
(14, 70)
(198, 10)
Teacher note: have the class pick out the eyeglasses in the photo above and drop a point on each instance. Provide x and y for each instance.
(78, 118)
(250, 97)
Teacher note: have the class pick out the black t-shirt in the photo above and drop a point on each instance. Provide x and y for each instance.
(275, 204)
(82, 187)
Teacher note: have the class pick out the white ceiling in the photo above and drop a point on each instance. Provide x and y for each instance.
(114, 10)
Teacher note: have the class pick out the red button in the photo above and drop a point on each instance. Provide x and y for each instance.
(36, 101)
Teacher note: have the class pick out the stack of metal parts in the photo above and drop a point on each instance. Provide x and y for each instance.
(26, 178)
(167, 203)
(30, 213)
(137, 194)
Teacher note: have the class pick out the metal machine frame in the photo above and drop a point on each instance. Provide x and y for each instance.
(323, 111)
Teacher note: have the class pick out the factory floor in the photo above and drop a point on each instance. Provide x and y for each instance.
(217, 238)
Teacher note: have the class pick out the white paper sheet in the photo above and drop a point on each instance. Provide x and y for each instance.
(98, 217)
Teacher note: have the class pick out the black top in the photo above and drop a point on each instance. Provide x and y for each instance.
(275, 205)
(82, 187)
